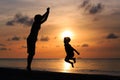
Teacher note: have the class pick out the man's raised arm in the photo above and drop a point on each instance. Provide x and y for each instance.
(45, 16)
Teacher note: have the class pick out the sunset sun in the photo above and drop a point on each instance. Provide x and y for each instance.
(67, 33)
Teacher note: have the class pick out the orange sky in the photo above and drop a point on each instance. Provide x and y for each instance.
(94, 26)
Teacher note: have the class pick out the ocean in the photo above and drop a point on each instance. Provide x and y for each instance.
(82, 66)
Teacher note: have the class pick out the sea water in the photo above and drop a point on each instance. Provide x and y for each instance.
(82, 66)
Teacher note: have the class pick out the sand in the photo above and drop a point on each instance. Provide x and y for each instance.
(22, 74)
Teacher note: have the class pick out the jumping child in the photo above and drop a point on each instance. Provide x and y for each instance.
(69, 51)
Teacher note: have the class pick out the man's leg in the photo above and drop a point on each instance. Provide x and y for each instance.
(29, 61)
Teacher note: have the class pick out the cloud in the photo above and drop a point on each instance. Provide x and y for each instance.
(117, 13)
(57, 45)
(3, 49)
(2, 44)
(10, 23)
(85, 45)
(84, 3)
(20, 19)
(91, 8)
(44, 47)
(23, 46)
(44, 38)
(112, 36)
(96, 8)
(14, 38)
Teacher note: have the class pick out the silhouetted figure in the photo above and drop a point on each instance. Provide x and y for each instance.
(32, 38)
(69, 51)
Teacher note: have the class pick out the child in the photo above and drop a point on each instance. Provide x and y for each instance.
(69, 51)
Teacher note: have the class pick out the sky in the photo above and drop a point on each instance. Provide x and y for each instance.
(92, 25)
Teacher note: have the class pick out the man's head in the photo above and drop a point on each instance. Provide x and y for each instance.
(37, 17)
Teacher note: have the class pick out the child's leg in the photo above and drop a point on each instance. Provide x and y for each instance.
(67, 60)
(74, 59)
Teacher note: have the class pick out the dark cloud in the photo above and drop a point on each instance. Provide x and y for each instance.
(10, 23)
(95, 19)
(116, 13)
(23, 46)
(85, 45)
(112, 36)
(14, 38)
(3, 49)
(44, 38)
(84, 3)
(44, 47)
(2, 44)
(96, 8)
(20, 19)
(91, 8)
(24, 38)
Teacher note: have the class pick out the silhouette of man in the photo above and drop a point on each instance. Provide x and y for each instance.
(32, 38)
(69, 51)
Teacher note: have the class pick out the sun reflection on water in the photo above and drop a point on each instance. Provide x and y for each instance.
(66, 67)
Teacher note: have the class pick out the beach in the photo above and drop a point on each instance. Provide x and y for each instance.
(22, 74)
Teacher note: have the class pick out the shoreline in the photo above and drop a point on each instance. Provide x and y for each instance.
(22, 74)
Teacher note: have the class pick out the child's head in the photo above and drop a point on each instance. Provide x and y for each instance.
(67, 39)
(37, 17)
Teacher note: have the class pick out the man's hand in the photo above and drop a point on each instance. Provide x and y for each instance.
(48, 9)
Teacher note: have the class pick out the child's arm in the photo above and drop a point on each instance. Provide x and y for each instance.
(45, 16)
(76, 51)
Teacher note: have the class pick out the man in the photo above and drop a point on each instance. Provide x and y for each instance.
(32, 38)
